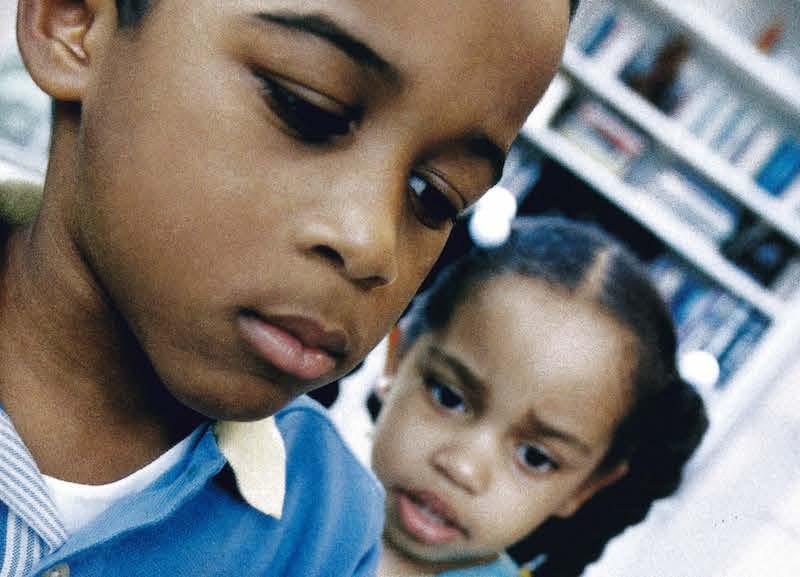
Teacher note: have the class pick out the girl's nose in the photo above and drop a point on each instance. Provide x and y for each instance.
(466, 465)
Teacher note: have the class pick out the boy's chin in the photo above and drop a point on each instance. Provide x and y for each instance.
(247, 401)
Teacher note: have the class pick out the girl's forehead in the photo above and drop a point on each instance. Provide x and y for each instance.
(536, 349)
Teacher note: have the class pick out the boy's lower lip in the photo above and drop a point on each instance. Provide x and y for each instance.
(283, 350)
(422, 524)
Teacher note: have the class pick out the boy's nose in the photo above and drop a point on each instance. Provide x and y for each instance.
(357, 233)
(466, 466)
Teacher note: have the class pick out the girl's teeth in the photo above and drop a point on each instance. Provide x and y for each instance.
(426, 510)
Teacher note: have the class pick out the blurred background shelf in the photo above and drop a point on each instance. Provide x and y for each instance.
(675, 125)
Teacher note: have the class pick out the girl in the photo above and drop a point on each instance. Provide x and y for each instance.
(534, 400)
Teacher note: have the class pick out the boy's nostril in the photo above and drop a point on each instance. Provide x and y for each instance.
(329, 254)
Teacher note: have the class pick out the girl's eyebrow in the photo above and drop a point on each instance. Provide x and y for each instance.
(322, 26)
(474, 386)
(534, 425)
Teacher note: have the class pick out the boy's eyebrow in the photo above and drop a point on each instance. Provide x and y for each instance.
(322, 26)
(535, 425)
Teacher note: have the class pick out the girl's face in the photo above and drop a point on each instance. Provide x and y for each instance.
(266, 182)
(500, 421)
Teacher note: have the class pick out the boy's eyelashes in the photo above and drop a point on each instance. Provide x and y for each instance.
(312, 123)
(316, 123)
(431, 205)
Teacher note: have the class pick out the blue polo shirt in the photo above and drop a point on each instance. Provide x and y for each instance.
(209, 515)
(503, 566)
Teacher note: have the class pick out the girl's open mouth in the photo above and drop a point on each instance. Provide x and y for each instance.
(427, 518)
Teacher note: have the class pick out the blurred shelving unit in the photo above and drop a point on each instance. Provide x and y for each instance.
(715, 208)
(685, 116)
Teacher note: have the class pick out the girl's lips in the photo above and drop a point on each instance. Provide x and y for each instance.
(426, 518)
(299, 356)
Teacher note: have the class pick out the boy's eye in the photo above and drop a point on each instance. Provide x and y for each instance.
(430, 204)
(307, 121)
(536, 459)
(445, 396)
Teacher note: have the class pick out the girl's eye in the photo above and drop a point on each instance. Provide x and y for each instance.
(534, 458)
(430, 204)
(307, 121)
(446, 397)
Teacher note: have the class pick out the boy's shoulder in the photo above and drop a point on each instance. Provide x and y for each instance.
(19, 201)
(334, 505)
(313, 442)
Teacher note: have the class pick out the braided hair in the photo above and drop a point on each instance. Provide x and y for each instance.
(666, 419)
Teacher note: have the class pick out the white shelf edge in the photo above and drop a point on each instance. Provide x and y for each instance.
(551, 101)
(684, 240)
(682, 144)
(752, 381)
(776, 80)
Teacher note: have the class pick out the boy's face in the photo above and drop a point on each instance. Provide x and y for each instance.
(500, 422)
(264, 184)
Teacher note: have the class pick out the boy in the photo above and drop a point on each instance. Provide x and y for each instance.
(241, 198)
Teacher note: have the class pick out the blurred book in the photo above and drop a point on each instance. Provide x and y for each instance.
(759, 249)
(757, 148)
(654, 71)
(786, 284)
(707, 318)
(740, 347)
(697, 202)
(616, 37)
(603, 134)
(781, 168)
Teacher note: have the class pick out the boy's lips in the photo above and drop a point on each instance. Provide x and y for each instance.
(427, 518)
(296, 345)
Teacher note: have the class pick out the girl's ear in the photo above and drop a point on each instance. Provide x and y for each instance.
(393, 352)
(392, 363)
(591, 486)
(61, 40)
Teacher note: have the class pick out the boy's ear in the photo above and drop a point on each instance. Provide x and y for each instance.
(592, 485)
(60, 40)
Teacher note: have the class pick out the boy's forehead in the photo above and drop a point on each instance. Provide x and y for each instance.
(477, 50)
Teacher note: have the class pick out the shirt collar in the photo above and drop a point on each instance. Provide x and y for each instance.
(257, 456)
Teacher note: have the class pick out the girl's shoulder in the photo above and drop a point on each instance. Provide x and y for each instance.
(503, 566)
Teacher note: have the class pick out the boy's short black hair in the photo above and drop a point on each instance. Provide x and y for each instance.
(131, 11)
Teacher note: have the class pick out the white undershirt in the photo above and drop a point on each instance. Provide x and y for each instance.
(80, 504)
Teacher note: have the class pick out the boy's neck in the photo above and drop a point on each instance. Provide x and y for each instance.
(76, 384)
